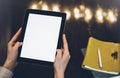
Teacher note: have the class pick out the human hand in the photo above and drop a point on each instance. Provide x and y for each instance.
(62, 59)
(12, 53)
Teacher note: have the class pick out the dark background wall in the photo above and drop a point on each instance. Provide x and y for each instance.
(11, 16)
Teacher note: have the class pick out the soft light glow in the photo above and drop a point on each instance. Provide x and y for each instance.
(34, 6)
(99, 15)
(104, 14)
(68, 14)
(77, 14)
(88, 15)
(44, 7)
(56, 8)
(81, 11)
(82, 7)
(116, 12)
(111, 17)
(76, 10)
(40, 2)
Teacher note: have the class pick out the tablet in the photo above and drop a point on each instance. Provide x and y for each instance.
(41, 35)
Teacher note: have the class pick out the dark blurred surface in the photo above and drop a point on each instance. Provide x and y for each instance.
(11, 17)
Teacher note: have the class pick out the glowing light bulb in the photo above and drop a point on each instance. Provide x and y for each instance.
(68, 14)
(76, 10)
(44, 6)
(40, 2)
(99, 15)
(111, 17)
(88, 15)
(56, 8)
(82, 7)
(77, 14)
(34, 6)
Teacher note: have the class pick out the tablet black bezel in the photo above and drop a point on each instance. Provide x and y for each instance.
(50, 13)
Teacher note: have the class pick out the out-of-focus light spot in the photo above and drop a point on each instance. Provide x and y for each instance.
(99, 15)
(44, 7)
(111, 17)
(104, 14)
(88, 15)
(56, 8)
(40, 2)
(82, 7)
(34, 6)
(68, 14)
(82, 11)
(77, 14)
(116, 12)
(76, 10)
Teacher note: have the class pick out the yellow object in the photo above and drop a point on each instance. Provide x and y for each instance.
(110, 56)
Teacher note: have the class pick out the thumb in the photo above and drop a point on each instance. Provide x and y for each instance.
(18, 44)
(59, 53)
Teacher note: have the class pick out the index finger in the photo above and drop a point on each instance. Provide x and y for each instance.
(14, 38)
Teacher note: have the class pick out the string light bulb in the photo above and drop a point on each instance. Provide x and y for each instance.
(34, 6)
(40, 2)
(82, 7)
(44, 7)
(99, 15)
(111, 17)
(68, 14)
(88, 15)
(56, 8)
(77, 13)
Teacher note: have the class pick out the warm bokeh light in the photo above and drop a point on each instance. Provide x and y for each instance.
(82, 7)
(40, 2)
(116, 12)
(76, 10)
(82, 11)
(76, 13)
(99, 15)
(68, 14)
(88, 15)
(34, 6)
(56, 8)
(111, 17)
(104, 14)
(44, 7)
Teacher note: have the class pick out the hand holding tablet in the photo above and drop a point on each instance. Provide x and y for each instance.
(12, 51)
(61, 59)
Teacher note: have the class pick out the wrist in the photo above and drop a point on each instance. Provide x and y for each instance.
(59, 74)
(9, 65)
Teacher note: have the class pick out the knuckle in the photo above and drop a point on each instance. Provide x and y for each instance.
(17, 43)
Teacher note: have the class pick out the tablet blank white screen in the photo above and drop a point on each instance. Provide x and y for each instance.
(41, 37)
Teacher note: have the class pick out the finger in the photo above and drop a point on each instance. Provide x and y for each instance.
(59, 53)
(18, 44)
(65, 44)
(14, 38)
(66, 55)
